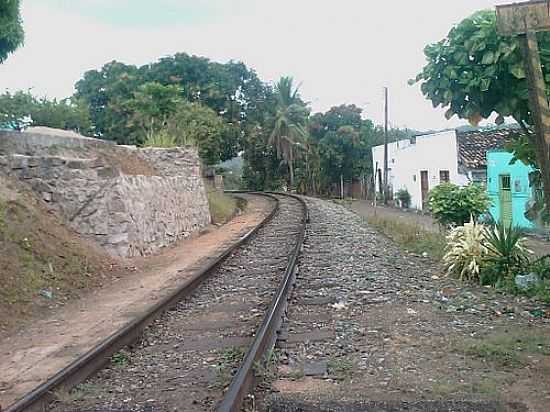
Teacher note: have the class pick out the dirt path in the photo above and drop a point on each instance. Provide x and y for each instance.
(365, 209)
(32, 355)
(371, 327)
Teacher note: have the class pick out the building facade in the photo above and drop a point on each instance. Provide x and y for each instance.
(509, 189)
(422, 162)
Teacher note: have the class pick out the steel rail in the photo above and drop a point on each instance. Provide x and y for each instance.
(81, 368)
(244, 380)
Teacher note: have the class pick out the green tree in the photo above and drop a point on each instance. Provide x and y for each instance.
(193, 123)
(474, 72)
(11, 28)
(22, 109)
(343, 140)
(15, 109)
(150, 108)
(289, 125)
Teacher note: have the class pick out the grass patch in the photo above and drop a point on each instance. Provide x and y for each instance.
(222, 206)
(488, 387)
(508, 349)
(228, 363)
(411, 236)
(340, 368)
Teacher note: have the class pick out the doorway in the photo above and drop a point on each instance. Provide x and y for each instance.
(505, 197)
(424, 187)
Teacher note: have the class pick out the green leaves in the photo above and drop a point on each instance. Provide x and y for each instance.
(474, 72)
(454, 205)
(518, 71)
(11, 28)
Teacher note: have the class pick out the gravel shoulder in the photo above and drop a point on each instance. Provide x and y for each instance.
(30, 356)
(369, 322)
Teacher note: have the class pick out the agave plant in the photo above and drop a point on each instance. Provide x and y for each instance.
(466, 251)
(506, 249)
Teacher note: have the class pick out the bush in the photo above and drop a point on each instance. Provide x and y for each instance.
(454, 205)
(466, 251)
(404, 198)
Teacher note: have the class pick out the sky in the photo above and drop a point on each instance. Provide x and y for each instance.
(343, 51)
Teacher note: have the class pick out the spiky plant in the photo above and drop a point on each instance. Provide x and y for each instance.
(466, 251)
(506, 250)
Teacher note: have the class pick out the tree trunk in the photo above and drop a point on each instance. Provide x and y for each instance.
(291, 168)
(545, 172)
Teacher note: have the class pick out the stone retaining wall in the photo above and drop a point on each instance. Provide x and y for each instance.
(128, 215)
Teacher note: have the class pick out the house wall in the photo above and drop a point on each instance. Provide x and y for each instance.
(434, 152)
(498, 163)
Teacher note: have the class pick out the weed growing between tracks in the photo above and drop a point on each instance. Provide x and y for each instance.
(228, 364)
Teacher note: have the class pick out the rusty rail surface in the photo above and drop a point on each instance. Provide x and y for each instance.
(93, 360)
(244, 380)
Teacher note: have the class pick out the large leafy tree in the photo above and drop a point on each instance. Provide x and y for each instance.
(196, 124)
(289, 125)
(474, 72)
(343, 140)
(11, 28)
(150, 108)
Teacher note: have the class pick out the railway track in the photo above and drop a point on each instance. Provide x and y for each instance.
(200, 348)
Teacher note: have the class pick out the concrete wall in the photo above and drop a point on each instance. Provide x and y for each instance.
(433, 153)
(130, 215)
(498, 163)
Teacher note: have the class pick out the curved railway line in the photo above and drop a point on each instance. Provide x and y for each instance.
(199, 348)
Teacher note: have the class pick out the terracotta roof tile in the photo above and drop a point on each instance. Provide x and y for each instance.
(473, 146)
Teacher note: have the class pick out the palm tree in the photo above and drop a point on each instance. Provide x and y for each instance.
(289, 129)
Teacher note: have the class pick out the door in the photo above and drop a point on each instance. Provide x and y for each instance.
(505, 197)
(424, 187)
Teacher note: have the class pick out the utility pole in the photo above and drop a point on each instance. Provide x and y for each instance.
(525, 20)
(385, 190)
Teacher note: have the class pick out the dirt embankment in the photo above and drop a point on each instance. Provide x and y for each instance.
(43, 264)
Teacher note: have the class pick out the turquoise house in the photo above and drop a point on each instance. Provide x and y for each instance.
(509, 189)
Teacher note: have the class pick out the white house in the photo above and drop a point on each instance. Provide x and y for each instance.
(422, 162)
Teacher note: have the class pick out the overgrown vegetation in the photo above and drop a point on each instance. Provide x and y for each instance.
(228, 362)
(222, 206)
(411, 237)
(454, 205)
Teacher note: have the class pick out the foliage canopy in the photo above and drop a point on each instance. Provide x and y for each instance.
(11, 28)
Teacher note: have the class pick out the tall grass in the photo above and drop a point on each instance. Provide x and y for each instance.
(411, 237)
(161, 139)
(222, 206)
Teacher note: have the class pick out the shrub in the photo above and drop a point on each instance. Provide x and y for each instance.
(404, 197)
(466, 251)
(454, 205)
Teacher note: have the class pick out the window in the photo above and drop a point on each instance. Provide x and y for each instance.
(444, 176)
(413, 140)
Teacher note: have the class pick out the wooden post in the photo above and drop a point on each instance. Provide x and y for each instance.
(385, 189)
(525, 19)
